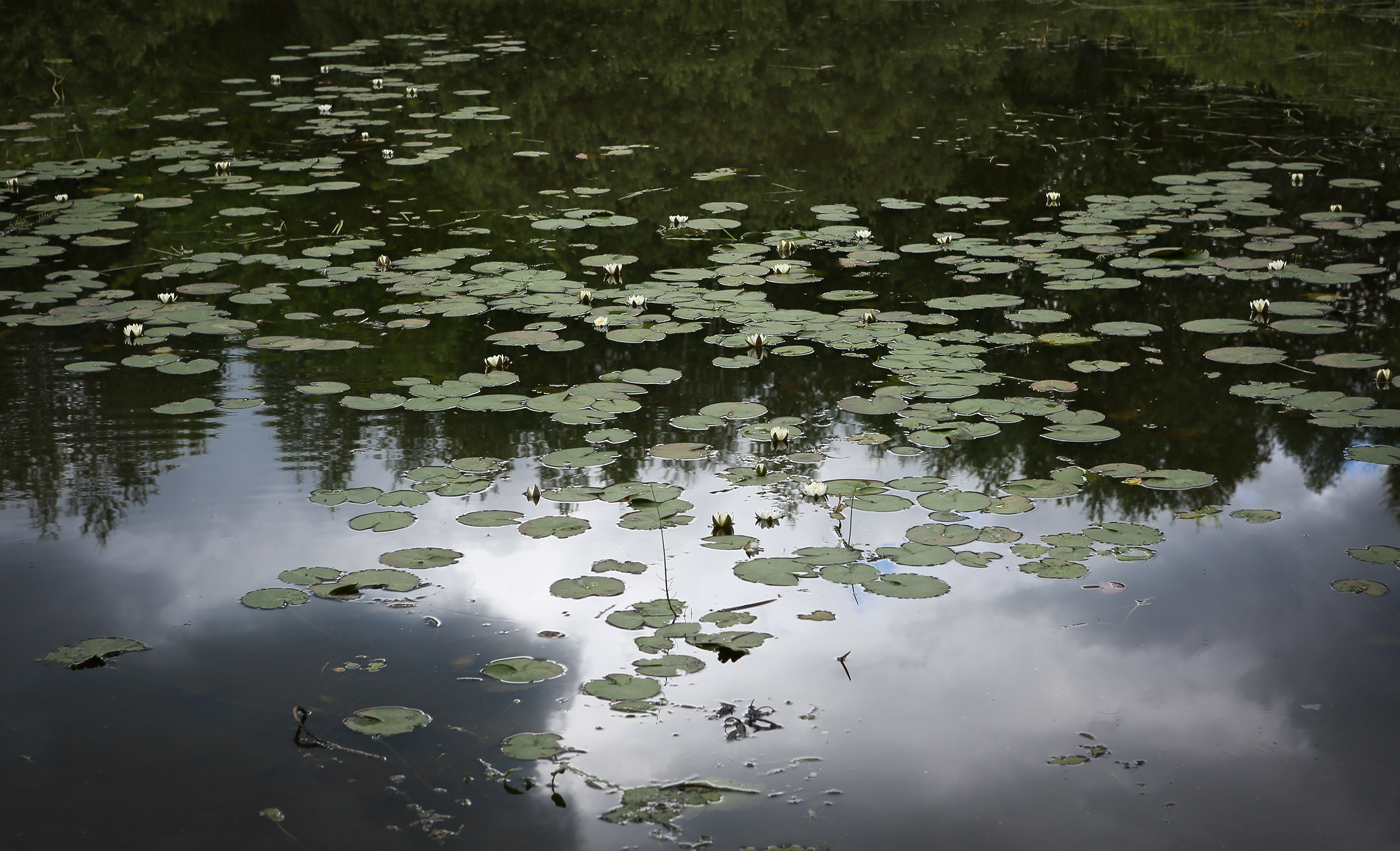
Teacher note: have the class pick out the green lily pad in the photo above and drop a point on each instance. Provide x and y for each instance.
(1055, 568)
(587, 586)
(1078, 433)
(622, 687)
(1128, 534)
(1256, 515)
(382, 521)
(92, 365)
(322, 388)
(308, 575)
(579, 457)
(609, 564)
(1376, 554)
(668, 666)
(914, 554)
(907, 586)
(818, 615)
(196, 405)
(373, 402)
(1173, 480)
(490, 518)
(1040, 488)
(1350, 360)
(558, 527)
(91, 652)
(1219, 326)
(531, 746)
(682, 451)
(1246, 355)
(387, 720)
(1374, 454)
(774, 571)
(424, 557)
(1369, 587)
(523, 669)
(939, 534)
(275, 598)
(734, 410)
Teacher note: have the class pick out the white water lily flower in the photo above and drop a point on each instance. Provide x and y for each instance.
(12, 184)
(411, 91)
(756, 341)
(585, 296)
(364, 135)
(497, 361)
(276, 79)
(377, 83)
(779, 434)
(722, 520)
(1383, 375)
(781, 268)
(387, 153)
(612, 270)
(382, 263)
(679, 221)
(760, 469)
(863, 234)
(786, 247)
(222, 167)
(767, 515)
(816, 490)
(532, 493)
(868, 316)
(166, 298)
(139, 197)
(324, 108)
(133, 330)
(60, 198)
(637, 300)
(1297, 178)
(1259, 305)
(1052, 198)
(942, 238)
(1276, 265)
(600, 321)
(1335, 208)
(325, 69)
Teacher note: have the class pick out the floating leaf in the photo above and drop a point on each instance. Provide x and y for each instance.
(559, 527)
(587, 586)
(1172, 480)
(490, 518)
(774, 571)
(387, 720)
(1374, 454)
(308, 575)
(682, 451)
(907, 586)
(1256, 515)
(1055, 568)
(424, 557)
(196, 405)
(577, 458)
(529, 746)
(622, 687)
(91, 652)
(1369, 587)
(1376, 554)
(523, 669)
(818, 615)
(1246, 355)
(382, 521)
(275, 598)
(668, 666)
(734, 410)
(618, 566)
(1132, 534)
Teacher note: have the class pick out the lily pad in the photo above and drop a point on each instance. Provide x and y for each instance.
(275, 598)
(558, 527)
(587, 586)
(682, 451)
(490, 518)
(579, 457)
(424, 557)
(530, 746)
(1127, 534)
(523, 669)
(387, 720)
(382, 521)
(1374, 454)
(92, 652)
(196, 405)
(1376, 554)
(907, 586)
(1369, 587)
(774, 571)
(622, 687)
(1174, 480)
(1246, 355)
(668, 666)
(1256, 515)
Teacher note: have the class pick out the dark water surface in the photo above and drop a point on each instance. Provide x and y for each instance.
(1137, 493)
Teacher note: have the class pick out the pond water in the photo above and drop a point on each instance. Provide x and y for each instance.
(751, 424)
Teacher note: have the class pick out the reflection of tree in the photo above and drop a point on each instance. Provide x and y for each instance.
(85, 446)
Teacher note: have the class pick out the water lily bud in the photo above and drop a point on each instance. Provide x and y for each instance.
(377, 82)
(786, 247)
(139, 197)
(497, 361)
(364, 135)
(1335, 208)
(781, 268)
(942, 238)
(1297, 178)
(325, 69)
(411, 91)
(1383, 375)
(222, 167)
(387, 153)
(585, 296)
(816, 490)
(863, 234)
(756, 341)
(276, 79)
(600, 321)
(12, 184)
(868, 316)
(1259, 305)
(60, 198)
(382, 264)
(1052, 198)
(722, 521)
(1276, 265)
(760, 469)
(532, 493)
(637, 300)
(133, 330)
(166, 298)
(679, 221)
(324, 108)
(779, 434)
(612, 270)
